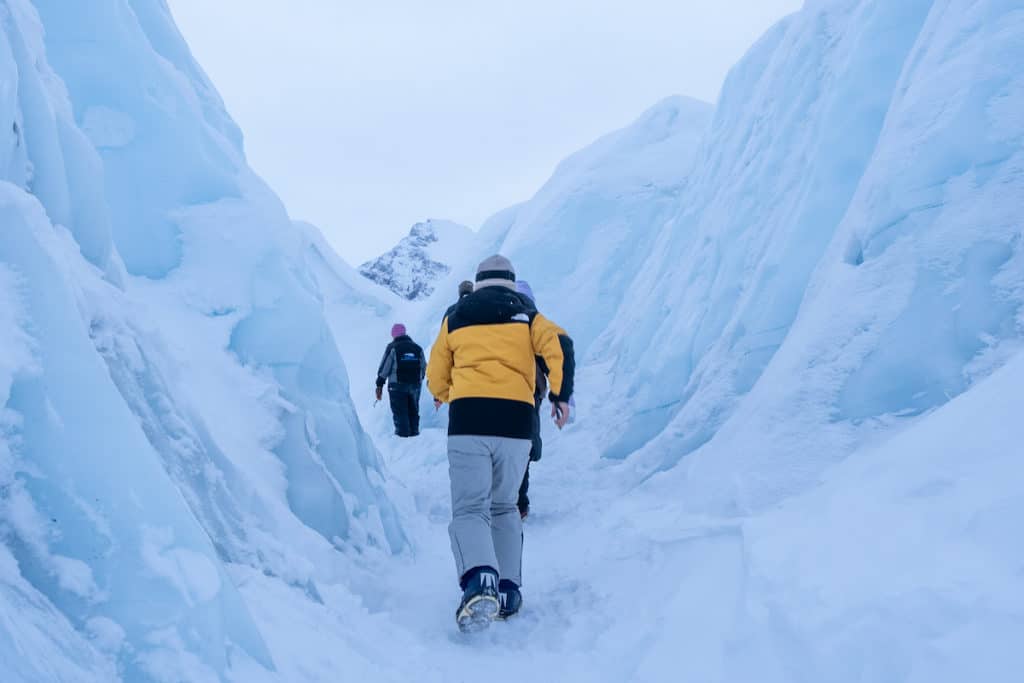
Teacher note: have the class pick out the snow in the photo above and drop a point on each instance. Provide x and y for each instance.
(795, 127)
(160, 426)
(903, 550)
(799, 318)
(897, 563)
(932, 306)
(412, 268)
(37, 643)
(68, 405)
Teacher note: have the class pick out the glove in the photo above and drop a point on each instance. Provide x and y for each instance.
(380, 393)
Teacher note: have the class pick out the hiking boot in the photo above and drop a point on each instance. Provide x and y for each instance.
(509, 599)
(479, 604)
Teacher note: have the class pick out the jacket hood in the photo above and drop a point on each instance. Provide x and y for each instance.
(492, 305)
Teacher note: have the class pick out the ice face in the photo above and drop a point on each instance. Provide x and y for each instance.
(97, 525)
(793, 132)
(45, 152)
(148, 109)
(918, 291)
(175, 403)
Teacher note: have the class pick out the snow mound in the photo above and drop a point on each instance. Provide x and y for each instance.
(903, 550)
(895, 567)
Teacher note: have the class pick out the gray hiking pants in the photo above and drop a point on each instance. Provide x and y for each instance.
(486, 528)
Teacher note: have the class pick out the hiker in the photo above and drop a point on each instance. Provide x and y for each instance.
(403, 368)
(541, 388)
(465, 289)
(483, 364)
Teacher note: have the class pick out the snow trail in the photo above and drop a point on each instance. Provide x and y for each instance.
(621, 583)
(599, 587)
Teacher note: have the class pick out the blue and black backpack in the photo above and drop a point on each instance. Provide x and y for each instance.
(409, 359)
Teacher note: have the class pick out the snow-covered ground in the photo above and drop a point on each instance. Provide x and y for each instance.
(899, 566)
(798, 455)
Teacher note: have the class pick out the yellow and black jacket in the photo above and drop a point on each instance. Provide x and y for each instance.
(484, 363)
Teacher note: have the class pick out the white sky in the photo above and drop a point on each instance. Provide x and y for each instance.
(367, 117)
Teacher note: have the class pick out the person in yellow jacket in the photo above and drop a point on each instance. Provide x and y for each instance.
(483, 364)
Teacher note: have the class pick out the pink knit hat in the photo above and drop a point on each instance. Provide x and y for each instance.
(397, 330)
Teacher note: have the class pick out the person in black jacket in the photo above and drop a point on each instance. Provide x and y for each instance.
(403, 368)
(523, 287)
(465, 289)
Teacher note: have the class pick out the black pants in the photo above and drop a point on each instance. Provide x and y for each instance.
(535, 453)
(405, 408)
(524, 499)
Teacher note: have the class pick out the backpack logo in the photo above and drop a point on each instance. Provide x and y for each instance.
(409, 368)
(521, 318)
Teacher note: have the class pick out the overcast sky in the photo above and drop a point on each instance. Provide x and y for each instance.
(366, 117)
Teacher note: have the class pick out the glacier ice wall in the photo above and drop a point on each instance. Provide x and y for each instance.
(92, 518)
(878, 276)
(174, 401)
(793, 132)
(144, 104)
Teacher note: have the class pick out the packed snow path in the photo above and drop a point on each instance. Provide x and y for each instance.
(597, 588)
(614, 589)
(622, 585)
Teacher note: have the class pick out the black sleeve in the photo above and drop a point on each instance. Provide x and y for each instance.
(568, 371)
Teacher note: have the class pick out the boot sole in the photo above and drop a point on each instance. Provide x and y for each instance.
(477, 614)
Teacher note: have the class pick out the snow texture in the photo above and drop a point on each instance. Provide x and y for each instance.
(799, 318)
(174, 400)
(820, 324)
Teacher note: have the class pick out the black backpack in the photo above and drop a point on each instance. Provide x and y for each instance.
(408, 357)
